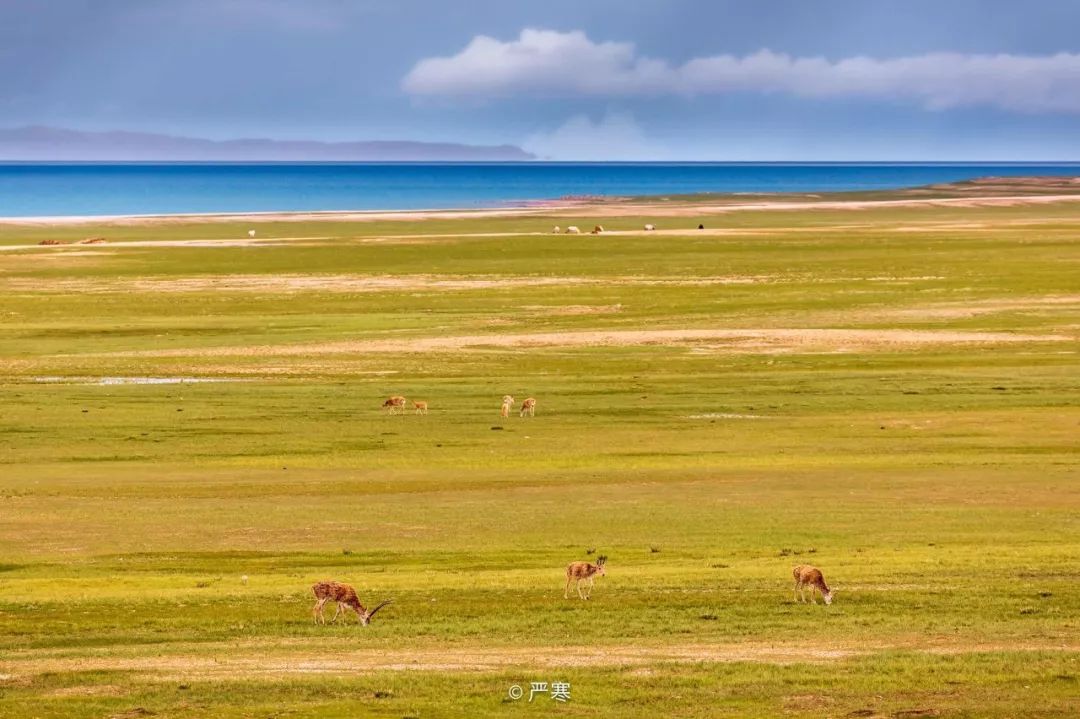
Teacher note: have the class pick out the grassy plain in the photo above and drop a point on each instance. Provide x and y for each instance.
(889, 392)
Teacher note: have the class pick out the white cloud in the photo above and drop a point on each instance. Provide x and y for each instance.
(616, 136)
(557, 64)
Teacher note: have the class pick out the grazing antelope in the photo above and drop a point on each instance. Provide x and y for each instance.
(556, 230)
(807, 576)
(528, 407)
(395, 402)
(573, 230)
(251, 233)
(345, 595)
(597, 229)
(508, 402)
(584, 572)
(650, 228)
(421, 407)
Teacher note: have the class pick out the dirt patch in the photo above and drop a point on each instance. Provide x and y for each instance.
(108, 381)
(724, 340)
(977, 308)
(225, 242)
(232, 661)
(99, 690)
(297, 658)
(572, 310)
(286, 284)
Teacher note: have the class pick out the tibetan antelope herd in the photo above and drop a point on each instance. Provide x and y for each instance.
(580, 574)
(397, 403)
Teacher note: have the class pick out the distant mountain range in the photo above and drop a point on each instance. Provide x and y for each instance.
(52, 144)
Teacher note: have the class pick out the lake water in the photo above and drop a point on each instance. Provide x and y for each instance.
(149, 188)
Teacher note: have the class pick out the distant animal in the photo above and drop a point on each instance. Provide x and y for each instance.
(344, 595)
(395, 402)
(50, 242)
(584, 572)
(808, 576)
(650, 228)
(421, 407)
(597, 229)
(251, 233)
(92, 241)
(573, 230)
(244, 580)
(701, 227)
(507, 403)
(528, 407)
(556, 230)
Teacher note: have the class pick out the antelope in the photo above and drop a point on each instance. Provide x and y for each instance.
(807, 576)
(395, 402)
(528, 407)
(573, 230)
(345, 595)
(597, 229)
(556, 230)
(251, 233)
(584, 572)
(650, 228)
(421, 407)
(508, 402)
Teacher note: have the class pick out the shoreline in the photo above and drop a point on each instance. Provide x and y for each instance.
(1040, 190)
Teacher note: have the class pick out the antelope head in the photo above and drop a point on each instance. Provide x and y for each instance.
(507, 399)
(601, 564)
(365, 617)
(827, 596)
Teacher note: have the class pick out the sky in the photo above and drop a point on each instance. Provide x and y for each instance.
(770, 80)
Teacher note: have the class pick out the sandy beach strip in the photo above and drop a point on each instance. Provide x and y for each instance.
(616, 207)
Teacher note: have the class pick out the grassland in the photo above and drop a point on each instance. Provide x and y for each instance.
(889, 392)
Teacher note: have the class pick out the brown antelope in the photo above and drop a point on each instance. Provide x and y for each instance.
(345, 595)
(528, 407)
(395, 402)
(807, 576)
(584, 572)
(508, 402)
(421, 407)
(596, 230)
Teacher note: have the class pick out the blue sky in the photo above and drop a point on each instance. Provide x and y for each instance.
(588, 79)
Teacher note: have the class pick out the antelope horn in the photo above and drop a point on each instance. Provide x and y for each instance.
(380, 606)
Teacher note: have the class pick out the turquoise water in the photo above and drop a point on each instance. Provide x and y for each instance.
(137, 188)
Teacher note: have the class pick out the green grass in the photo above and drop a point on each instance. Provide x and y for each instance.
(935, 484)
